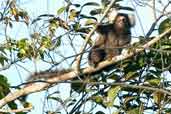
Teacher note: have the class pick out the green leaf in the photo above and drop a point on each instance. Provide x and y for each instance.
(10, 25)
(134, 111)
(105, 2)
(164, 25)
(73, 14)
(76, 26)
(131, 75)
(61, 10)
(4, 86)
(95, 11)
(88, 17)
(154, 82)
(72, 102)
(90, 22)
(2, 50)
(118, 112)
(168, 110)
(3, 59)
(112, 93)
(76, 5)
(91, 4)
(78, 87)
(58, 99)
(22, 43)
(99, 112)
(54, 24)
(97, 99)
(58, 42)
(46, 42)
(4, 81)
(126, 8)
(165, 47)
(111, 96)
(141, 61)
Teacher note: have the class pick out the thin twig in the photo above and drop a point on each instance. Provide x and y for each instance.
(17, 110)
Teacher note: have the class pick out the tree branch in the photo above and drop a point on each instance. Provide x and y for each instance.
(36, 87)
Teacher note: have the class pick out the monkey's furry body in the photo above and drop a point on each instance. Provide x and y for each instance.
(112, 37)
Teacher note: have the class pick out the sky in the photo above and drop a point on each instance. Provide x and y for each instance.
(35, 8)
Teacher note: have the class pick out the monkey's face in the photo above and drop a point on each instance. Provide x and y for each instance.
(121, 23)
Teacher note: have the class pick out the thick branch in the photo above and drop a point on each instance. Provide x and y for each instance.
(36, 87)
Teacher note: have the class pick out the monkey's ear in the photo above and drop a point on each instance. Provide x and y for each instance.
(112, 15)
(131, 19)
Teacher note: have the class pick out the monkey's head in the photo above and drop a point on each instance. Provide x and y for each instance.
(121, 21)
(113, 14)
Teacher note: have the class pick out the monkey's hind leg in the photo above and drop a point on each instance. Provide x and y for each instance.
(111, 53)
(95, 56)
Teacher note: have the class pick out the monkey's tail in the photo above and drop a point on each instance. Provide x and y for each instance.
(44, 75)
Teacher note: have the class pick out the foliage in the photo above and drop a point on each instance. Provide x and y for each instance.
(72, 23)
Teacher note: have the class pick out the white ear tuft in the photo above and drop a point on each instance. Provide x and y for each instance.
(131, 19)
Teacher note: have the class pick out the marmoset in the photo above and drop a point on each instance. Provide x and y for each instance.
(112, 37)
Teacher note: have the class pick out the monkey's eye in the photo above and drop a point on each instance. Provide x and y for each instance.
(123, 19)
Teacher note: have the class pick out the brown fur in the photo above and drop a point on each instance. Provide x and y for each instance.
(44, 75)
(112, 37)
